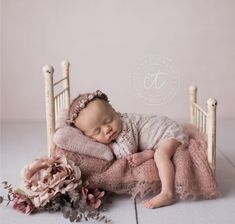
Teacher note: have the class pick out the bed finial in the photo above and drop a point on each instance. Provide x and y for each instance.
(192, 89)
(48, 69)
(65, 63)
(211, 102)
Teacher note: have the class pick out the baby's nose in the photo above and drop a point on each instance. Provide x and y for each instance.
(108, 129)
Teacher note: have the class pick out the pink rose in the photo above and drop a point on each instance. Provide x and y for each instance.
(45, 177)
(22, 203)
(92, 197)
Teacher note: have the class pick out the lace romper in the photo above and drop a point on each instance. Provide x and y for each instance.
(142, 132)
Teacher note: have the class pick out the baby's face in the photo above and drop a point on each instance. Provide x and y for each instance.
(99, 121)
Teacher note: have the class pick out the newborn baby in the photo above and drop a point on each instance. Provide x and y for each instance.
(153, 136)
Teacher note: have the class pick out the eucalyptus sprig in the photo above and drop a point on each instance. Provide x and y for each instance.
(84, 213)
(10, 195)
(78, 210)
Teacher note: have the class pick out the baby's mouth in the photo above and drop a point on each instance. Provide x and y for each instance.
(112, 136)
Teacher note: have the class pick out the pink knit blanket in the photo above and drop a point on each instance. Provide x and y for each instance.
(193, 176)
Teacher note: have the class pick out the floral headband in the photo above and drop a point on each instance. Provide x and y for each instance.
(83, 103)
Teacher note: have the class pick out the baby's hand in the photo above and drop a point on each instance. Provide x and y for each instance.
(130, 160)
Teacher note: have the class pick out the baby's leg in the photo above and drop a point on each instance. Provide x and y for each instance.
(162, 158)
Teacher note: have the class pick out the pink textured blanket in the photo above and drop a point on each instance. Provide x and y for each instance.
(193, 176)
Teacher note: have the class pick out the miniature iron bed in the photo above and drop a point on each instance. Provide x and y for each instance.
(55, 102)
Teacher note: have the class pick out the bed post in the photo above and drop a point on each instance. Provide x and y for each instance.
(65, 73)
(193, 99)
(50, 108)
(211, 104)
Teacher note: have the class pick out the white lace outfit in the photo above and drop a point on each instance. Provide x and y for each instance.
(142, 132)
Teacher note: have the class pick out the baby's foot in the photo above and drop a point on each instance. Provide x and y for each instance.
(160, 200)
(137, 158)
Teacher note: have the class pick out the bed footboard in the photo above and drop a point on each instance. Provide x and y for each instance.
(205, 122)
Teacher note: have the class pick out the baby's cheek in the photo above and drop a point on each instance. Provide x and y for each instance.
(99, 138)
(118, 125)
(116, 122)
(96, 138)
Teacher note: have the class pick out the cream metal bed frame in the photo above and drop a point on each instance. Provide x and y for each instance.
(204, 121)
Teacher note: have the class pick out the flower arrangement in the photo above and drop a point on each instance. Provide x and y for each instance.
(55, 184)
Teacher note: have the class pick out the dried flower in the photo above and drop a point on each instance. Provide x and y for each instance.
(22, 203)
(92, 197)
(54, 184)
(90, 97)
(82, 105)
(45, 177)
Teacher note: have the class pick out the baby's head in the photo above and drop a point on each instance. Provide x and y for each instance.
(95, 117)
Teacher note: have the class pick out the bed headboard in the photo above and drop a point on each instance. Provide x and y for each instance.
(55, 102)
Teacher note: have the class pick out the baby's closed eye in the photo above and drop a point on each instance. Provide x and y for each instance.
(108, 120)
(97, 131)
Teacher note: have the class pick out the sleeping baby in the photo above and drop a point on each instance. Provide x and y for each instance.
(135, 137)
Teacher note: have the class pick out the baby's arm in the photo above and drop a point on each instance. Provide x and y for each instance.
(122, 149)
(140, 157)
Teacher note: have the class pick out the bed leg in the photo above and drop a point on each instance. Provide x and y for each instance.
(193, 99)
(50, 108)
(211, 104)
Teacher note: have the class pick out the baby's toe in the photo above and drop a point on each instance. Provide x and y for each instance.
(146, 204)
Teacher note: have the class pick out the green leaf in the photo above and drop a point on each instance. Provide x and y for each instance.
(78, 219)
(86, 183)
(66, 212)
(73, 216)
(103, 217)
(1, 199)
(9, 197)
(4, 183)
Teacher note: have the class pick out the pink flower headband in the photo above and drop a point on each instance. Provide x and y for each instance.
(83, 103)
